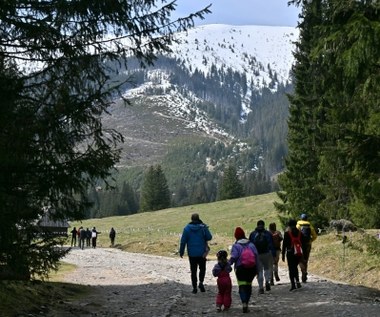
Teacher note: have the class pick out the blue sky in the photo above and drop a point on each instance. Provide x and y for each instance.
(242, 12)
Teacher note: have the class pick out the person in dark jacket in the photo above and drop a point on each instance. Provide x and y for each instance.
(112, 236)
(263, 241)
(83, 236)
(88, 237)
(195, 237)
(288, 250)
(74, 237)
(94, 236)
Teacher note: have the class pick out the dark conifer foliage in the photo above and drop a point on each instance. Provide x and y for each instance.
(155, 194)
(332, 170)
(55, 87)
(231, 186)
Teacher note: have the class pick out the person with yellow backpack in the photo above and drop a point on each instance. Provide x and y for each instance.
(309, 235)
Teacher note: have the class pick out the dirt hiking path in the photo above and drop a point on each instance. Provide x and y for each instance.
(127, 284)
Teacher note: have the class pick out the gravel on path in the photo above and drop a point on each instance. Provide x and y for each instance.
(130, 284)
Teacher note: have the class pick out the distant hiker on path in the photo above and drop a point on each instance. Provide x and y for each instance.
(243, 252)
(195, 237)
(88, 237)
(83, 236)
(222, 271)
(262, 239)
(94, 236)
(310, 235)
(291, 236)
(112, 236)
(74, 237)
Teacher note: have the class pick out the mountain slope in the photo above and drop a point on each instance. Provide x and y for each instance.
(221, 83)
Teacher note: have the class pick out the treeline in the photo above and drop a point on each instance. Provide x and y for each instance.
(333, 166)
(193, 171)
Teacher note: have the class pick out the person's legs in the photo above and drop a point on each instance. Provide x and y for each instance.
(227, 299)
(260, 273)
(267, 261)
(193, 270)
(304, 262)
(276, 259)
(202, 272)
(293, 270)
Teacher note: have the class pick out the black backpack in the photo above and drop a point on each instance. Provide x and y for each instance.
(306, 231)
(261, 242)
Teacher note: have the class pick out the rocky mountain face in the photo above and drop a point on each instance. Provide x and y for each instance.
(222, 83)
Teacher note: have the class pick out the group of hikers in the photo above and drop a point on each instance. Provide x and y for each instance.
(255, 255)
(87, 237)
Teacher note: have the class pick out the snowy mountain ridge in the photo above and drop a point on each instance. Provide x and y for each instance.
(263, 54)
(250, 49)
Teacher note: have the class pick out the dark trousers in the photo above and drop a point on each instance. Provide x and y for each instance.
(304, 261)
(195, 263)
(244, 278)
(293, 262)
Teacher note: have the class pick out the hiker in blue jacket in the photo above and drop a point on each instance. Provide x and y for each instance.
(195, 237)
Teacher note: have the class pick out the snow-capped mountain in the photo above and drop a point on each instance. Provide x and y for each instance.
(211, 82)
(253, 50)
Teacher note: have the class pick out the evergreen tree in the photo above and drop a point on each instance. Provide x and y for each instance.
(155, 194)
(231, 186)
(300, 181)
(128, 199)
(54, 89)
(332, 170)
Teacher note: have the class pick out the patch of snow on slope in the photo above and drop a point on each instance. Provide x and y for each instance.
(247, 49)
(176, 106)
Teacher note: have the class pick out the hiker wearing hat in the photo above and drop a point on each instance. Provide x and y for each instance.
(309, 235)
(243, 256)
(195, 237)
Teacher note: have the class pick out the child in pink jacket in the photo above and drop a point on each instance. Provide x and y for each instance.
(222, 271)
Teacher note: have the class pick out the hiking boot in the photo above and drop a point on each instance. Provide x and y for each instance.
(218, 309)
(292, 288)
(201, 287)
(261, 291)
(194, 291)
(299, 285)
(267, 287)
(304, 277)
(276, 277)
(245, 308)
